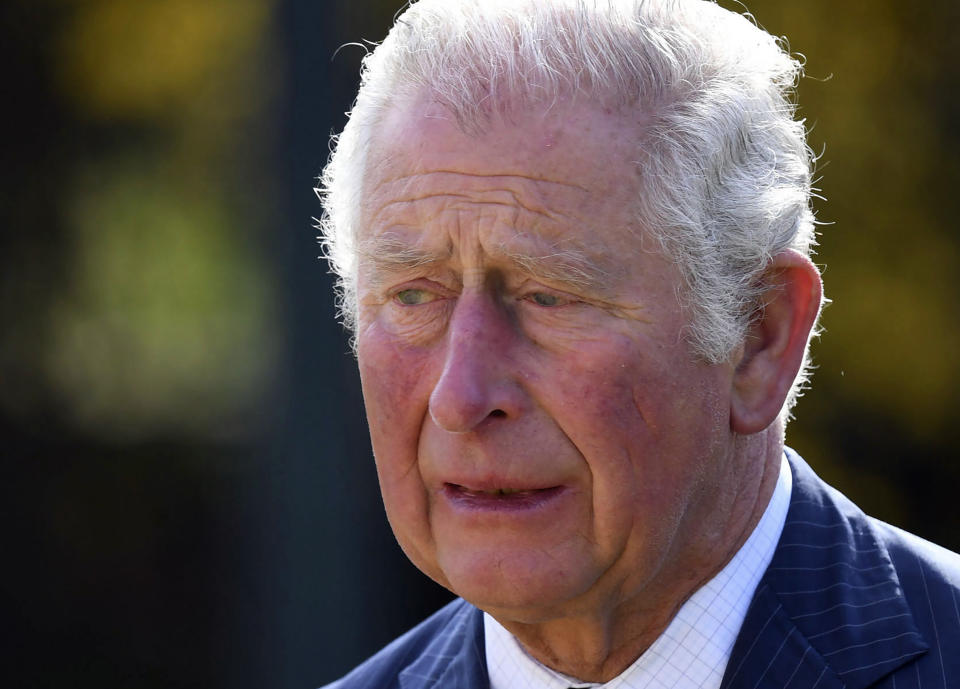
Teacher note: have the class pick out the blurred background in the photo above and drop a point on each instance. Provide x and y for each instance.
(190, 495)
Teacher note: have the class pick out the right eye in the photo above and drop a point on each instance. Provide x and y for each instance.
(414, 297)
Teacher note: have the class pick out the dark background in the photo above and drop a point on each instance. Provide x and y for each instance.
(190, 497)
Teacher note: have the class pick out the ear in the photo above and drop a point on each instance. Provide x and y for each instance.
(773, 350)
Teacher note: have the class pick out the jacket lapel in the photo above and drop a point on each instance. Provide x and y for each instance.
(829, 612)
(771, 652)
(454, 658)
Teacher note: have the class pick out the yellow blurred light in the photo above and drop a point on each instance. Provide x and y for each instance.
(139, 59)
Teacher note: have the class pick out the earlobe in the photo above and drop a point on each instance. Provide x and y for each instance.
(776, 341)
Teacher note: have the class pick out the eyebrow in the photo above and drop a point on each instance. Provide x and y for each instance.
(572, 266)
(389, 253)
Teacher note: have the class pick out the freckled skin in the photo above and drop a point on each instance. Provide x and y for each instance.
(466, 373)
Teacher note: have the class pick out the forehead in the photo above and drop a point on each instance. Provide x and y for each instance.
(555, 171)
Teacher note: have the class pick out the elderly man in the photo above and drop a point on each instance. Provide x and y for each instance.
(573, 240)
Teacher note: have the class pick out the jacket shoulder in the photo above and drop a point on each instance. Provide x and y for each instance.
(383, 668)
(878, 604)
(919, 557)
(929, 578)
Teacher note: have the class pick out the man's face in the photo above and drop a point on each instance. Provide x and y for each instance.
(545, 441)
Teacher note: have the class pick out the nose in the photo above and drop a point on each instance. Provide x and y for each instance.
(480, 379)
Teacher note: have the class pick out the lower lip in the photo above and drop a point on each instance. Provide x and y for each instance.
(520, 501)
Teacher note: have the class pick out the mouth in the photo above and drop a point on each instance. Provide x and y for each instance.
(499, 498)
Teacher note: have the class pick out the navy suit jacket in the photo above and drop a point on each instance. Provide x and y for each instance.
(847, 601)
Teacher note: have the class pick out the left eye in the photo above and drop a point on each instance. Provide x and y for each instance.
(544, 299)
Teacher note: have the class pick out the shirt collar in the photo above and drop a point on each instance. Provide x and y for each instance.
(693, 651)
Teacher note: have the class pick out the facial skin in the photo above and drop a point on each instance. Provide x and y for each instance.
(518, 332)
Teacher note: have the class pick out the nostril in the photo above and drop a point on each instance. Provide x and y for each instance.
(498, 413)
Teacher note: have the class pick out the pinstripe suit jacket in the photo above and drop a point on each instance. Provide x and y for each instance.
(847, 601)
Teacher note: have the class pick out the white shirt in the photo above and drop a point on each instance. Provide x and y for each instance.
(693, 651)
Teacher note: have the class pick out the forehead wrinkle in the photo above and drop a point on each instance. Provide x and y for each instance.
(525, 191)
(479, 175)
(471, 201)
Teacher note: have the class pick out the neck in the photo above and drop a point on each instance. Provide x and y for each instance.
(599, 644)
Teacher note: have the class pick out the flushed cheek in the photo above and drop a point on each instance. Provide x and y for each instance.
(630, 383)
(396, 385)
(623, 407)
(396, 381)
(591, 398)
(594, 389)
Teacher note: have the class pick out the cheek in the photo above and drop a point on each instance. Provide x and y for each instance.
(396, 384)
(635, 384)
(641, 415)
(592, 398)
(595, 389)
(391, 376)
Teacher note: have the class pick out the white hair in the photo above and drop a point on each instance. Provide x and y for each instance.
(725, 166)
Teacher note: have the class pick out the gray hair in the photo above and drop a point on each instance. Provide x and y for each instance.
(725, 166)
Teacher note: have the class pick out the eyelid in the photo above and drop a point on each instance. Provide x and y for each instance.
(563, 298)
(436, 290)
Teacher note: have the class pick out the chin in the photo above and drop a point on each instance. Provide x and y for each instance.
(527, 587)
